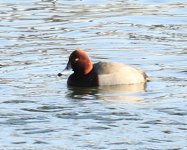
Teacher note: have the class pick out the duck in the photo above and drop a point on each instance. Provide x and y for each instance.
(89, 74)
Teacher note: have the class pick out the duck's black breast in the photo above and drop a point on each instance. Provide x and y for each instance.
(88, 80)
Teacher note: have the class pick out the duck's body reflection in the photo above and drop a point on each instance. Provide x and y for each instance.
(110, 93)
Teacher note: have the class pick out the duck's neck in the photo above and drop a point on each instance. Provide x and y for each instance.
(84, 71)
(88, 68)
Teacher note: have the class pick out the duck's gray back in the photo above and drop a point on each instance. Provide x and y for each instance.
(110, 73)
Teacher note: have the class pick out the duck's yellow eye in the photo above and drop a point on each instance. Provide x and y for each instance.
(76, 59)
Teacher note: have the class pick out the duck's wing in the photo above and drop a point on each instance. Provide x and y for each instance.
(110, 73)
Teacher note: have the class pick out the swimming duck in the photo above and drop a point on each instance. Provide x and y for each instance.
(88, 74)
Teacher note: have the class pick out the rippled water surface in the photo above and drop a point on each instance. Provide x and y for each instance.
(37, 109)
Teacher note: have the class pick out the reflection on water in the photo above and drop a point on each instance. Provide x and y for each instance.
(39, 111)
(108, 93)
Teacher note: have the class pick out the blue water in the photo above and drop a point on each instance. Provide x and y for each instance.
(38, 110)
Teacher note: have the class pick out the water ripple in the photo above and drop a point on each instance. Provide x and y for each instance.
(39, 111)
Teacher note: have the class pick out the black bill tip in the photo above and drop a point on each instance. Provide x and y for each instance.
(59, 74)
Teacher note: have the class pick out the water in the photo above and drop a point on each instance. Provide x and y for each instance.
(38, 110)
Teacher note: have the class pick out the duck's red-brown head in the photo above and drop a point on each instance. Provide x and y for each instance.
(80, 62)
